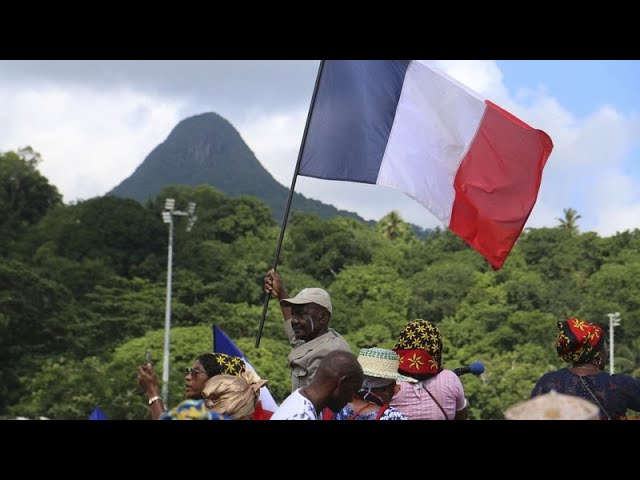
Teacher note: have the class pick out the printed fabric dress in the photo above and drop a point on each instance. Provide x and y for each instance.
(614, 394)
(390, 413)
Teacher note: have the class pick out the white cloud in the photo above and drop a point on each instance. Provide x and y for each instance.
(587, 152)
(482, 76)
(89, 140)
(616, 206)
(275, 140)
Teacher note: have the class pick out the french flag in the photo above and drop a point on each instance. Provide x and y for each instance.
(223, 344)
(408, 126)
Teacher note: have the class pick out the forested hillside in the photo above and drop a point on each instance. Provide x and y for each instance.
(82, 293)
(207, 149)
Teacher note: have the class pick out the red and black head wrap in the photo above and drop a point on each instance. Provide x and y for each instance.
(579, 341)
(419, 348)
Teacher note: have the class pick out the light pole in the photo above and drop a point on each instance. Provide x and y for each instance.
(614, 321)
(167, 217)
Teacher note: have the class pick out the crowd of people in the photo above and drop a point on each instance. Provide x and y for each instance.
(407, 382)
(218, 386)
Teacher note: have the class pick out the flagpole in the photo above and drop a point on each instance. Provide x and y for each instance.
(285, 216)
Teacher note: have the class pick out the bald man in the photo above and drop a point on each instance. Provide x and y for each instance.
(338, 378)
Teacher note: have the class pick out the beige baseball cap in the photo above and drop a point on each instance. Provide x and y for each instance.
(310, 295)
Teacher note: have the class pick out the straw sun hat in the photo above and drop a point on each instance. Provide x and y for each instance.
(381, 363)
(553, 406)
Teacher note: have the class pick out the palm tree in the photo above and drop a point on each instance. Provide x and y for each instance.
(393, 227)
(569, 222)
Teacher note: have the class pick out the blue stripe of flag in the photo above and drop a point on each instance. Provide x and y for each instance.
(223, 344)
(351, 119)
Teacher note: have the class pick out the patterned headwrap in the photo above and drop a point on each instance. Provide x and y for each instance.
(419, 347)
(579, 341)
(217, 363)
(193, 410)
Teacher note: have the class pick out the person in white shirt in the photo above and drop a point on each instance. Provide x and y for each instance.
(338, 378)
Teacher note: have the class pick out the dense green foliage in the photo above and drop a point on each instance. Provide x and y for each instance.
(25, 195)
(82, 293)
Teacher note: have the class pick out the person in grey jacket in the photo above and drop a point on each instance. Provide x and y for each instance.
(306, 321)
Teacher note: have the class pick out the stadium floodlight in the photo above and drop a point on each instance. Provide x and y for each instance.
(167, 217)
(614, 321)
(191, 208)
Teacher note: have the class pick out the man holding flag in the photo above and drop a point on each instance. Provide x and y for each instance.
(306, 321)
(406, 125)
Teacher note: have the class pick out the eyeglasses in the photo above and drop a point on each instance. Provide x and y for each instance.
(193, 371)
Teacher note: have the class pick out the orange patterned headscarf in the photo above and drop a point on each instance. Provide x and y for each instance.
(579, 341)
(419, 348)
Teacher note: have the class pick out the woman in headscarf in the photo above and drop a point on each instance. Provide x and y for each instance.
(438, 393)
(234, 395)
(225, 397)
(206, 366)
(582, 344)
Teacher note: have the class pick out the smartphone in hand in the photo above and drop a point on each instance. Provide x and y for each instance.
(147, 358)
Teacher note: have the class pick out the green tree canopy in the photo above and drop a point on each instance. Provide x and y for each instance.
(368, 294)
(392, 227)
(323, 248)
(25, 195)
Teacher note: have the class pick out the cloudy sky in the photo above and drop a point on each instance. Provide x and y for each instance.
(94, 122)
